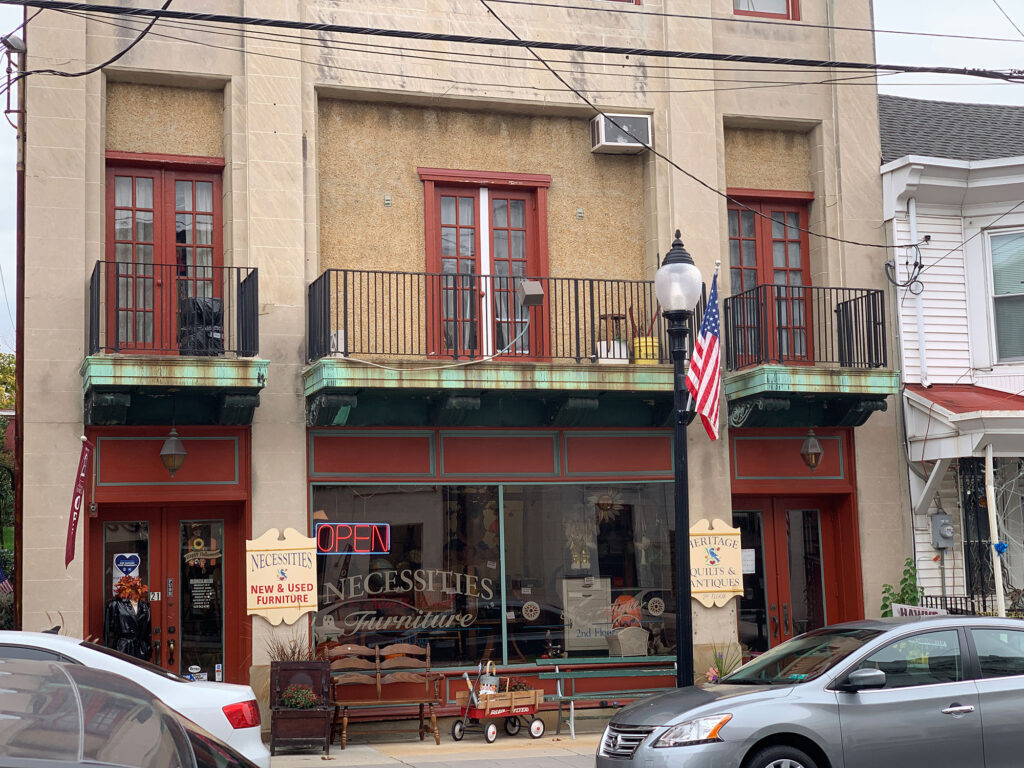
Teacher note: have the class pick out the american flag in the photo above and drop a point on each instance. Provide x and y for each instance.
(702, 380)
(5, 583)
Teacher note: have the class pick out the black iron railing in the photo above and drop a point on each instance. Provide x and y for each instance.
(805, 325)
(167, 309)
(470, 316)
(972, 605)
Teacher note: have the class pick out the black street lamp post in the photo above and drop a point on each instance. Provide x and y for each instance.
(678, 285)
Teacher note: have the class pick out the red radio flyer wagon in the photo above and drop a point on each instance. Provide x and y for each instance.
(518, 708)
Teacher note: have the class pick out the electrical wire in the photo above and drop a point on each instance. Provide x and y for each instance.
(90, 70)
(915, 271)
(1009, 19)
(960, 245)
(788, 23)
(670, 161)
(505, 42)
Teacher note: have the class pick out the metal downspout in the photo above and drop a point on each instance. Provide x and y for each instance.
(922, 346)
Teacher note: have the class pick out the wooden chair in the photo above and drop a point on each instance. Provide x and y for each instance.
(395, 665)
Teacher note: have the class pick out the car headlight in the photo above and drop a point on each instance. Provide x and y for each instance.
(703, 730)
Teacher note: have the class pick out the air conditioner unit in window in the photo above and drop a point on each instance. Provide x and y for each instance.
(609, 138)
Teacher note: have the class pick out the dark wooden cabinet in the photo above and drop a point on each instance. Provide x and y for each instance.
(300, 728)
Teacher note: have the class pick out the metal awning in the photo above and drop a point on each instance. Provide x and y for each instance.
(947, 421)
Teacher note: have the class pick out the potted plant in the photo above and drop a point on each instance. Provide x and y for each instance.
(300, 710)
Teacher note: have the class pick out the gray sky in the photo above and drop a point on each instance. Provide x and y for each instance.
(979, 17)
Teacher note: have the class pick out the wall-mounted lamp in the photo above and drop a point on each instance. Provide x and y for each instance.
(811, 451)
(173, 452)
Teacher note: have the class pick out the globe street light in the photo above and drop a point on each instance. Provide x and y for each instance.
(678, 285)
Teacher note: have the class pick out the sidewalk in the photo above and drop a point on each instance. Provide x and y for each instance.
(506, 752)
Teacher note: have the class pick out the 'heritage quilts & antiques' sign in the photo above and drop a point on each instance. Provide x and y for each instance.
(716, 563)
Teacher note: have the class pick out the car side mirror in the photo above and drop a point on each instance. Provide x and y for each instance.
(864, 680)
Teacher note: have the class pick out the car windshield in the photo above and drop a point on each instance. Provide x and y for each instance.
(801, 659)
(137, 662)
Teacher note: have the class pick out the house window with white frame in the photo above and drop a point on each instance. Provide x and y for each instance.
(1007, 250)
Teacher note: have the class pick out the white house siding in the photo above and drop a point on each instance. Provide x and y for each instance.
(931, 570)
(945, 302)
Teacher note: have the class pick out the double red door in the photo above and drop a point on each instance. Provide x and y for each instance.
(191, 558)
(783, 570)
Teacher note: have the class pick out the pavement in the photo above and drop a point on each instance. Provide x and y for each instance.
(507, 752)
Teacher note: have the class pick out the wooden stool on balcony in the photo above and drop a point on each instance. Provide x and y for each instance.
(614, 324)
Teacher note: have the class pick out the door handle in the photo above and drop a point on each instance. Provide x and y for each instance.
(775, 626)
(170, 651)
(156, 651)
(785, 619)
(958, 710)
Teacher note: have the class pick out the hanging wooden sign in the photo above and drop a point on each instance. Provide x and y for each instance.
(716, 563)
(280, 582)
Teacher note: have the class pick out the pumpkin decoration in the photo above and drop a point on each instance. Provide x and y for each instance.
(625, 612)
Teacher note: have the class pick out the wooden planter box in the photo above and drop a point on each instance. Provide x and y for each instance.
(300, 728)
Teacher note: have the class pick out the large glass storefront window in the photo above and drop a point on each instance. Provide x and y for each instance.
(580, 564)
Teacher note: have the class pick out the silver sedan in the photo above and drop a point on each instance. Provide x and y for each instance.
(914, 693)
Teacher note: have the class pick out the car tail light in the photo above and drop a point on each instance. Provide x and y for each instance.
(244, 714)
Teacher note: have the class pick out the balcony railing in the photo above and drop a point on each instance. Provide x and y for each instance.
(974, 605)
(806, 325)
(468, 317)
(170, 309)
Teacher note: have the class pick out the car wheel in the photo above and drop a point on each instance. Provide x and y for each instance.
(781, 757)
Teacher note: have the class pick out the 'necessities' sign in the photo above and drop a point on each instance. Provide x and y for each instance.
(280, 582)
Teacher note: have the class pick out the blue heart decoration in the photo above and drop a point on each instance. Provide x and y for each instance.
(127, 563)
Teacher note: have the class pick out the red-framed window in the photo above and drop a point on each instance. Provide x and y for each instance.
(768, 247)
(164, 245)
(484, 233)
(772, 9)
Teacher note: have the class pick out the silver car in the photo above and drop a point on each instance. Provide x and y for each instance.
(929, 692)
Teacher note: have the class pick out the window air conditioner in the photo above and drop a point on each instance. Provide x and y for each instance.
(608, 138)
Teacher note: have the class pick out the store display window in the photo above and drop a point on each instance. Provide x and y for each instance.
(511, 573)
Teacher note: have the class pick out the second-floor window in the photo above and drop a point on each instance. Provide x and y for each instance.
(777, 9)
(1007, 249)
(164, 245)
(481, 241)
(768, 248)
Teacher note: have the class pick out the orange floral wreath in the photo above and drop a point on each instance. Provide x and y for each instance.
(128, 588)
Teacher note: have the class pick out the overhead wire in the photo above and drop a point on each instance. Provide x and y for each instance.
(505, 42)
(788, 23)
(754, 84)
(1010, 19)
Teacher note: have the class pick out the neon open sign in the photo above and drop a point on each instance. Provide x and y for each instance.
(353, 538)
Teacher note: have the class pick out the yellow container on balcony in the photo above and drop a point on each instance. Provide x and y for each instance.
(645, 350)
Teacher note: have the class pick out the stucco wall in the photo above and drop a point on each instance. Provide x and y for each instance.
(164, 120)
(763, 159)
(367, 151)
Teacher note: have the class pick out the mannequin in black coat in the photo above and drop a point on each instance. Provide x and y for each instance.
(126, 624)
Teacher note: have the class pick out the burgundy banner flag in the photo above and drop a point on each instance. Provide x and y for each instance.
(77, 500)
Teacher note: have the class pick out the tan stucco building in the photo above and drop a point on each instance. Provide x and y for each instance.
(301, 252)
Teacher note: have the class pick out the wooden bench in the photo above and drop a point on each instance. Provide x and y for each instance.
(565, 681)
(391, 667)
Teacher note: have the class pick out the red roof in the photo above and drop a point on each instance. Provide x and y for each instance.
(966, 398)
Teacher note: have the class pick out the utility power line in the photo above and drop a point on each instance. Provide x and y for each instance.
(505, 42)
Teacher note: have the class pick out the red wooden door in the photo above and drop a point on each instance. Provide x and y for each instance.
(192, 559)
(784, 585)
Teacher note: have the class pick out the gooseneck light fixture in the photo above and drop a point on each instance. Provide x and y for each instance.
(678, 285)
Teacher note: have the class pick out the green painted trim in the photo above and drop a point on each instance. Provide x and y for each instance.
(506, 434)
(764, 379)
(99, 458)
(821, 438)
(373, 432)
(119, 371)
(346, 373)
(501, 575)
